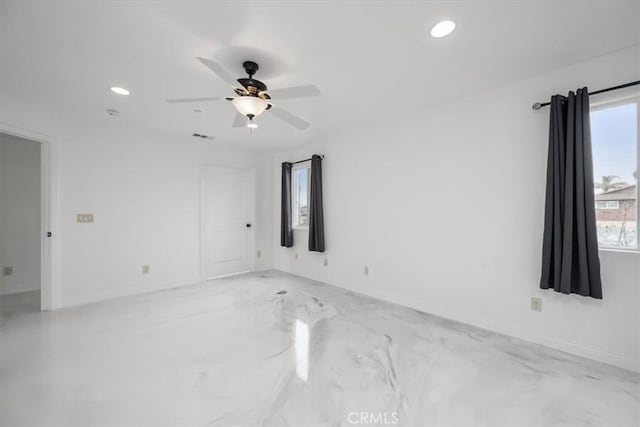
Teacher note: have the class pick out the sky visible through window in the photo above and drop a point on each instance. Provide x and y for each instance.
(614, 136)
(302, 186)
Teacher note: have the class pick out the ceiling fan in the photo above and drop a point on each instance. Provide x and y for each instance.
(252, 98)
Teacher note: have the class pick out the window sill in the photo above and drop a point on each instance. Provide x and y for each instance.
(614, 249)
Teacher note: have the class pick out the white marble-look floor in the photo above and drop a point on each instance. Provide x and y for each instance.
(275, 349)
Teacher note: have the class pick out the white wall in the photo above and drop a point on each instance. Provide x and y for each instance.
(19, 214)
(144, 192)
(446, 209)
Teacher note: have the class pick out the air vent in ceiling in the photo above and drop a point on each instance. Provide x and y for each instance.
(201, 136)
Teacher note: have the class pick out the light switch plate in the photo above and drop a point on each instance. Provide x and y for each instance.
(84, 217)
(7, 271)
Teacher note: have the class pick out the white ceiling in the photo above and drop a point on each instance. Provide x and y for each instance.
(371, 60)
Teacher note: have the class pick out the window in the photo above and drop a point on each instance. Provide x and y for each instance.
(612, 204)
(614, 137)
(300, 191)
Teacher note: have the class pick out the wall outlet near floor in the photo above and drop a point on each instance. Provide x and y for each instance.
(326, 262)
(366, 270)
(84, 217)
(259, 253)
(295, 255)
(536, 304)
(7, 271)
(145, 269)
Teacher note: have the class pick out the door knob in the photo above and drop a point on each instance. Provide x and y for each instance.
(248, 225)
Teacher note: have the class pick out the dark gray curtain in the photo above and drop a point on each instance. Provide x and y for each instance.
(286, 227)
(570, 262)
(316, 216)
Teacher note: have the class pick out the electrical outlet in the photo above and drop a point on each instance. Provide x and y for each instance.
(259, 253)
(84, 217)
(366, 270)
(7, 271)
(145, 269)
(326, 262)
(536, 304)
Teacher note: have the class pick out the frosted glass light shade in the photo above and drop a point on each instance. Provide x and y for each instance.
(249, 105)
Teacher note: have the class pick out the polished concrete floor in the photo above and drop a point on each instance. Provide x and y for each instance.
(275, 349)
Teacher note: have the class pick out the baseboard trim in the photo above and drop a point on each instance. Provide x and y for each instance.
(21, 289)
(620, 361)
(623, 361)
(227, 275)
(139, 291)
(112, 296)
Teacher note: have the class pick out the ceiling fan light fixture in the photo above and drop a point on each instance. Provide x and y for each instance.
(251, 96)
(249, 105)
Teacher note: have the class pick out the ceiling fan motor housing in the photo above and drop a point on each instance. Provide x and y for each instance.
(250, 67)
(253, 86)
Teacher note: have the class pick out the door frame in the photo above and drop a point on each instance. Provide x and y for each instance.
(49, 208)
(254, 215)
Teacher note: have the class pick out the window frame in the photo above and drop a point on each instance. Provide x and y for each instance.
(610, 102)
(295, 196)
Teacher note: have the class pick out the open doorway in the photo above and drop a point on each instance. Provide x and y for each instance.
(20, 225)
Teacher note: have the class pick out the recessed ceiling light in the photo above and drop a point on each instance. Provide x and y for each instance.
(120, 90)
(442, 29)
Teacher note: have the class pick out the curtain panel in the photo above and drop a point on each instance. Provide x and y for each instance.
(286, 225)
(570, 262)
(316, 213)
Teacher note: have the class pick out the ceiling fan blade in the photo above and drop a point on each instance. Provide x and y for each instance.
(288, 117)
(294, 92)
(239, 121)
(183, 100)
(220, 71)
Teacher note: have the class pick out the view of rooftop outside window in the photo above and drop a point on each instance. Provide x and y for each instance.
(614, 135)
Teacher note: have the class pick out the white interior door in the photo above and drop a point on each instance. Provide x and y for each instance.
(228, 228)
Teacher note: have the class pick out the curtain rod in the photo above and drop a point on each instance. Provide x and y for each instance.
(539, 105)
(306, 160)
